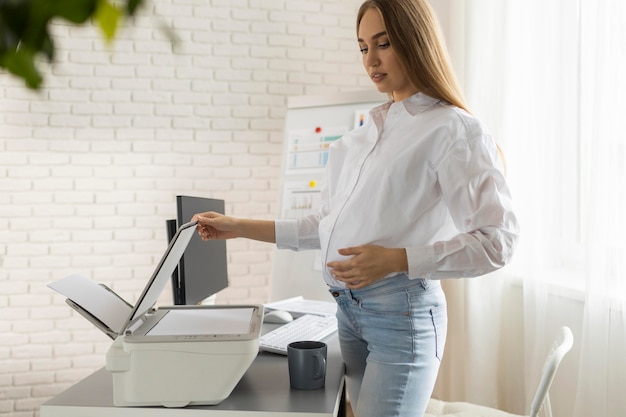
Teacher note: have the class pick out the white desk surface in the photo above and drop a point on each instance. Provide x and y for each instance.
(263, 391)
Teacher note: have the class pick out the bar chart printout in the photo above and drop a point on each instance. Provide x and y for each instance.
(308, 148)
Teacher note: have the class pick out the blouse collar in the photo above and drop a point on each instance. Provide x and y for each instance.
(415, 104)
(418, 103)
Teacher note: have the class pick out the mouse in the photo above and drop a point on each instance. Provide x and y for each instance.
(278, 317)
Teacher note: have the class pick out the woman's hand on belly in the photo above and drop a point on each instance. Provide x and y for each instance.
(367, 264)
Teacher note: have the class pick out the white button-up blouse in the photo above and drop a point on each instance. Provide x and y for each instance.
(421, 175)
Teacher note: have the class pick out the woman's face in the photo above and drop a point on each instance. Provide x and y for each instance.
(379, 58)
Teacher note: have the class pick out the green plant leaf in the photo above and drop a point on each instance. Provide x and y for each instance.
(22, 63)
(108, 17)
(24, 34)
(47, 46)
(13, 20)
(76, 11)
(132, 5)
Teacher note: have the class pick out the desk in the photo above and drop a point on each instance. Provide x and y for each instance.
(263, 391)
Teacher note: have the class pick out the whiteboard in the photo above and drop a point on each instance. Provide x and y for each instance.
(311, 124)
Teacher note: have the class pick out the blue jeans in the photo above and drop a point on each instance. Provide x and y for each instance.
(392, 334)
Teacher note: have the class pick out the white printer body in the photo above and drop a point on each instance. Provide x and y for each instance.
(171, 356)
(176, 369)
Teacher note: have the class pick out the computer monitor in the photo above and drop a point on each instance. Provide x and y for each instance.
(202, 270)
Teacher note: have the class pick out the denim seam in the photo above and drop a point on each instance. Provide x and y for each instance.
(412, 324)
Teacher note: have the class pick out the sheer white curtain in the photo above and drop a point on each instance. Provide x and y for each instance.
(472, 369)
(603, 347)
(548, 80)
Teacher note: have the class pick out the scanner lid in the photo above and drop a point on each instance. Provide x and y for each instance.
(169, 261)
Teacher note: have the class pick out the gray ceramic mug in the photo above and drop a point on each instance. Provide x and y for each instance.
(307, 364)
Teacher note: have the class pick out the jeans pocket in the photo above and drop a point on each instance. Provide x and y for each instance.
(439, 316)
(393, 303)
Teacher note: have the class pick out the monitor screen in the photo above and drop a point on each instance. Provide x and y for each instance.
(202, 270)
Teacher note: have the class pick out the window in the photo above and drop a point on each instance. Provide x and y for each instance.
(548, 79)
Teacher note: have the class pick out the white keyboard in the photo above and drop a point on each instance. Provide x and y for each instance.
(306, 327)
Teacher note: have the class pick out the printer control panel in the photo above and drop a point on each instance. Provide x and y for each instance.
(209, 337)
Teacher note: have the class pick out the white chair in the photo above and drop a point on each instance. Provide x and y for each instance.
(562, 345)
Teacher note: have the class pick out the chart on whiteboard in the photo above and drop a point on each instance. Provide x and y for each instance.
(308, 148)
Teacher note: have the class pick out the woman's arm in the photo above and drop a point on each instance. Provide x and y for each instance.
(212, 225)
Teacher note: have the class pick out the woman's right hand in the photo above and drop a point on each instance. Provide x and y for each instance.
(212, 225)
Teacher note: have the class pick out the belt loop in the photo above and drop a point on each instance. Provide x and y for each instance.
(424, 283)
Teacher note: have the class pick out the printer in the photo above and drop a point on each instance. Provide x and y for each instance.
(169, 356)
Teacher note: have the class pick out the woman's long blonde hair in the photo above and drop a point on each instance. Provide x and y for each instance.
(415, 36)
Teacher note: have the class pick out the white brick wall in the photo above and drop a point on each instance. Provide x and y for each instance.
(90, 166)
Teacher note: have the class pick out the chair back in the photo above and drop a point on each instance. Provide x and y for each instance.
(562, 344)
